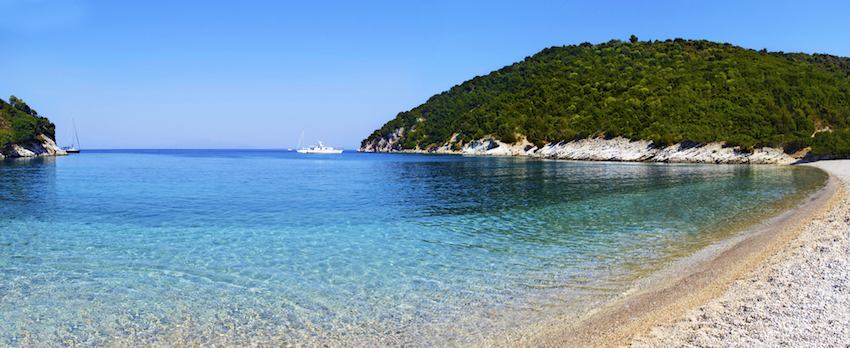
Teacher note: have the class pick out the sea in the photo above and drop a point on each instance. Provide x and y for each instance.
(277, 248)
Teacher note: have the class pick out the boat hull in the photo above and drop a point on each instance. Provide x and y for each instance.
(332, 151)
(320, 149)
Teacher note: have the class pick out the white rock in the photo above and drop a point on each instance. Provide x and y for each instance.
(596, 149)
(44, 147)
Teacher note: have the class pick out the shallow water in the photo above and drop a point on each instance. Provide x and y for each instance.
(235, 247)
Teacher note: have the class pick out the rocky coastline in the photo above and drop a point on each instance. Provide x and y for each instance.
(599, 149)
(44, 146)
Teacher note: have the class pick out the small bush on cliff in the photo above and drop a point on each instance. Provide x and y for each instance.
(835, 143)
(5, 139)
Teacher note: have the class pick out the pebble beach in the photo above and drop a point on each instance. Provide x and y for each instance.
(798, 297)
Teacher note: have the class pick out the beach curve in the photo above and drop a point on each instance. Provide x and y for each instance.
(726, 300)
(798, 297)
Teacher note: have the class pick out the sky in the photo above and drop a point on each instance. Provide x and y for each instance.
(257, 74)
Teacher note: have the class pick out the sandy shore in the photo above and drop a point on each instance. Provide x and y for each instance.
(798, 297)
(788, 284)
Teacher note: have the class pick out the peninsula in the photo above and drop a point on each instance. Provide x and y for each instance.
(23, 133)
(664, 101)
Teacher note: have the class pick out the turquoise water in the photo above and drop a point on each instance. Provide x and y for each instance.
(204, 247)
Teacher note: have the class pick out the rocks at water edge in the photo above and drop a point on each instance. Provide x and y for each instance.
(44, 147)
(599, 149)
(622, 149)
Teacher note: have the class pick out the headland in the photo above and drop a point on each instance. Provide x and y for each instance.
(24, 133)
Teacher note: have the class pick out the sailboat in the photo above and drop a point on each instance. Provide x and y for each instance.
(75, 141)
(316, 148)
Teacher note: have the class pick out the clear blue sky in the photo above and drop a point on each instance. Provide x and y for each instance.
(255, 74)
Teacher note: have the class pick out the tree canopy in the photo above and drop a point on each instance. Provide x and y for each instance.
(668, 92)
(19, 123)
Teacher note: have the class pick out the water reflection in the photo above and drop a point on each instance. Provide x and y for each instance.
(646, 213)
(486, 185)
(27, 193)
(28, 187)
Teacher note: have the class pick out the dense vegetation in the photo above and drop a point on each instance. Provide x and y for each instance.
(19, 123)
(668, 92)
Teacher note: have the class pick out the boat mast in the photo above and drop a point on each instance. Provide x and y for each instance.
(300, 140)
(77, 138)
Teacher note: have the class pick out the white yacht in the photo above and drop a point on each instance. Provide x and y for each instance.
(315, 148)
(319, 149)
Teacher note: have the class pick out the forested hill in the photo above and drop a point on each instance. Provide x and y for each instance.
(668, 92)
(21, 124)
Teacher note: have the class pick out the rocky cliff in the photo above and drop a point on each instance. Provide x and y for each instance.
(599, 149)
(43, 147)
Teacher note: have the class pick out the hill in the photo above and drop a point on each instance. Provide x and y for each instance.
(23, 132)
(675, 91)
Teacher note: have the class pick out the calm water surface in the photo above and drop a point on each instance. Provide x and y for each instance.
(268, 247)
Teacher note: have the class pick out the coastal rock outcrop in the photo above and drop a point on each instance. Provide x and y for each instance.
(597, 149)
(389, 143)
(43, 147)
(622, 149)
(489, 146)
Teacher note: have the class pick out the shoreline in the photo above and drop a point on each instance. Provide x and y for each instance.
(798, 295)
(600, 149)
(645, 317)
